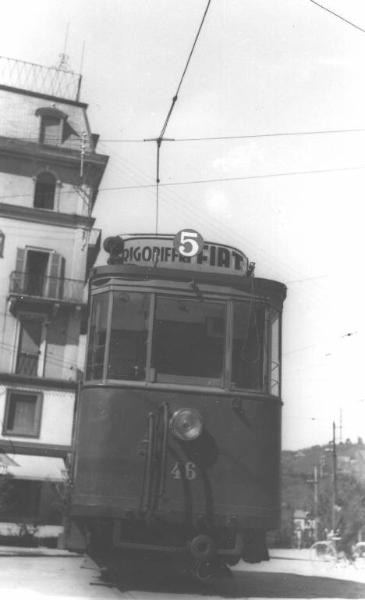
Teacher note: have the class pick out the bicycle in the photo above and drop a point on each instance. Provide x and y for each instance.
(327, 553)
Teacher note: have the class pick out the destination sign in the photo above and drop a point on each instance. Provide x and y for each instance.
(159, 251)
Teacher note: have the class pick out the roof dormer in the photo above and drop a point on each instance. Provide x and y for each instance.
(52, 125)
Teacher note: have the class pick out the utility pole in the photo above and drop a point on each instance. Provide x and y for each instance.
(334, 475)
(340, 436)
(315, 507)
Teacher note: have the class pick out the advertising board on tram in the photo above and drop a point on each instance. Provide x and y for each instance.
(184, 251)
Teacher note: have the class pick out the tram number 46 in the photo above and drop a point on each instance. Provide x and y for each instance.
(184, 471)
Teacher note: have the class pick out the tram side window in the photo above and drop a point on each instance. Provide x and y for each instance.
(188, 341)
(97, 337)
(127, 353)
(248, 344)
(275, 353)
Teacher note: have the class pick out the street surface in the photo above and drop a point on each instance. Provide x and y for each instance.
(42, 574)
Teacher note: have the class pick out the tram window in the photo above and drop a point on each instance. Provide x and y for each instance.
(188, 341)
(275, 353)
(127, 353)
(248, 343)
(97, 337)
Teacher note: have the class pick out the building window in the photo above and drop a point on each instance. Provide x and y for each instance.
(45, 189)
(38, 272)
(29, 349)
(50, 130)
(52, 123)
(2, 242)
(22, 413)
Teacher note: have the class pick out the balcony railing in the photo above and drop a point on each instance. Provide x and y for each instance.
(55, 81)
(51, 288)
(27, 364)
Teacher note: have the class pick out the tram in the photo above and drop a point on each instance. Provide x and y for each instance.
(177, 441)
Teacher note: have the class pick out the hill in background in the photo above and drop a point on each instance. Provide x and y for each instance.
(300, 469)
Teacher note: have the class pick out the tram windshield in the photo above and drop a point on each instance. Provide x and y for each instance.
(139, 336)
(188, 340)
(128, 336)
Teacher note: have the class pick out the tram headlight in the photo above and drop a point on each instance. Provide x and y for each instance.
(186, 424)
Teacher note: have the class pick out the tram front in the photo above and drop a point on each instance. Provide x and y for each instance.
(177, 445)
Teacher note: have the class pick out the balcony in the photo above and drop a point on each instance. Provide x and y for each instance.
(36, 288)
(27, 364)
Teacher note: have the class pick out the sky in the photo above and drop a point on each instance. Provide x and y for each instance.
(292, 203)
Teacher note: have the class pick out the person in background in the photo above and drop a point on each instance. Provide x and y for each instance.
(346, 530)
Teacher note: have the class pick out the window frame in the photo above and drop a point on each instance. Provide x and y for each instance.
(188, 380)
(109, 330)
(42, 320)
(273, 314)
(264, 388)
(55, 260)
(37, 413)
(225, 383)
(50, 112)
(89, 366)
(37, 181)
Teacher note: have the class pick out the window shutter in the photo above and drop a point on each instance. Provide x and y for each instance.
(18, 281)
(55, 275)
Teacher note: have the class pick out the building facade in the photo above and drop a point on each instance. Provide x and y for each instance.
(50, 174)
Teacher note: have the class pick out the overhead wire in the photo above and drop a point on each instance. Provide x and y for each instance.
(303, 348)
(174, 99)
(188, 208)
(161, 138)
(276, 134)
(227, 137)
(241, 178)
(192, 213)
(243, 136)
(337, 15)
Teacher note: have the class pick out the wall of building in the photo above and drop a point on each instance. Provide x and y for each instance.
(57, 414)
(18, 189)
(45, 144)
(64, 327)
(68, 242)
(61, 353)
(19, 119)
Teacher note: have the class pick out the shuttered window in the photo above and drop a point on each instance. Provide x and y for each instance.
(39, 273)
(55, 276)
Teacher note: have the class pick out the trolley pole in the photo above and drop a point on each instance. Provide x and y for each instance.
(334, 475)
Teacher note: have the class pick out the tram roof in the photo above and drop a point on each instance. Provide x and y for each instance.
(249, 284)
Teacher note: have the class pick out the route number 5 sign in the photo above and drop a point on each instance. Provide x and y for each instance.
(188, 242)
